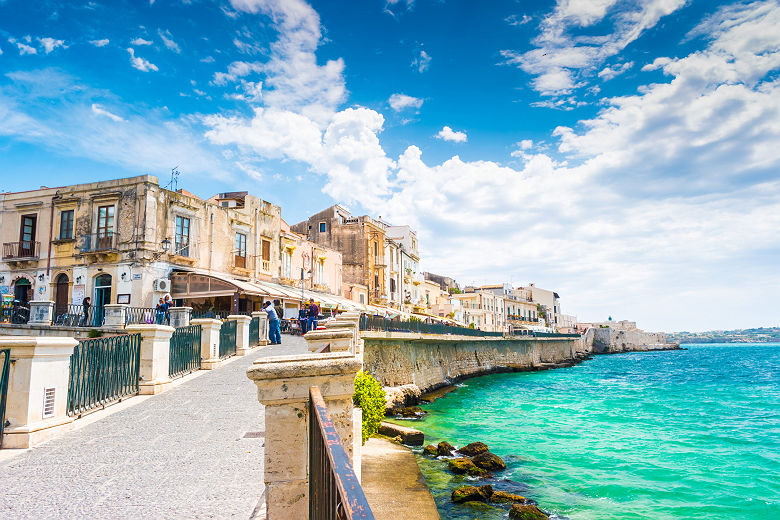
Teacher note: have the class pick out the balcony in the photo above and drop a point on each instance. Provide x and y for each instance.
(106, 242)
(185, 252)
(21, 251)
(266, 266)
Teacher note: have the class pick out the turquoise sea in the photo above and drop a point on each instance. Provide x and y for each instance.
(690, 434)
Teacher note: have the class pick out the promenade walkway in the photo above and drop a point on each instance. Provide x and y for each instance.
(181, 454)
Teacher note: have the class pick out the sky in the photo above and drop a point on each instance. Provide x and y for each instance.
(625, 154)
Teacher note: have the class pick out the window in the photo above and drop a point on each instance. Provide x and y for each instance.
(265, 250)
(66, 224)
(27, 236)
(362, 298)
(319, 272)
(323, 227)
(182, 236)
(240, 258)
(376, 251)
(287, 264)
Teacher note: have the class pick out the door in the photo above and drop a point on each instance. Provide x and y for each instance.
(27, 236)
(102, 297)
(22, 289)
(61, 295)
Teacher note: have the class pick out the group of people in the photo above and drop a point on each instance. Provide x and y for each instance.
(161, 315)
(307, 316)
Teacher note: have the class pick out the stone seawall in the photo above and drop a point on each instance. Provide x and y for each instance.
(613, 341)
(430, 361)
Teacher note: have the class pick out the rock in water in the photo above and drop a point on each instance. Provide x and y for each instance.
(445, 448)
(504, 497)
(488, 461)
(465, 466)
(471, 493)
(475, 448)
(431, 450)
(526, 512)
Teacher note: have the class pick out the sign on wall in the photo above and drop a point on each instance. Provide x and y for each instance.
(79, 292)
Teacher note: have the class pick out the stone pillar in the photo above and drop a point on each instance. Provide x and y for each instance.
(115, 316)
(338, 340)
(180, 316)
(283, 388)
(263, 326)
(155, 357)
(209, 342)
(242, 333)
(36, 405)
(41, 312)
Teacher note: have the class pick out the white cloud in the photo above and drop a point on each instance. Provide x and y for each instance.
(562, 58)
(400, 102)
(99, 43)
(167, 39)
(140, 41)
(236, 70)
(421, 62)
(140, 63)
(208, 59)
(49, 44)
(515, 20)
(23, 48)
(607, 73)
(448, 134)
(99, 110)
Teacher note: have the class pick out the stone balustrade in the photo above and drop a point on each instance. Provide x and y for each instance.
(155, 357)
(209, 342)
(36, 403)
(242, 333)
(263, 327)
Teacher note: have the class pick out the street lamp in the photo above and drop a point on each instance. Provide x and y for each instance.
(166, 245)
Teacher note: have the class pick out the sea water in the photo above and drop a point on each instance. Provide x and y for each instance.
(688, 434)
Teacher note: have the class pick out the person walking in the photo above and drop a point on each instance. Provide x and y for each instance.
(85, 305)
(303, 319)
(273, 324)
(314, 314)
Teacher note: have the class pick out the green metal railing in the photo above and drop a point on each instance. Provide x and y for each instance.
(554, 335)
(378, 323)
(227, 339)
(254, 332)
(5, 372)
(184, 355)
(103, 370)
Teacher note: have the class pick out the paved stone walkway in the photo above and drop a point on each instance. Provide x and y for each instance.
(180, 454)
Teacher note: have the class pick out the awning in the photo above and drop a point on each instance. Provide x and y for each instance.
(202, 284)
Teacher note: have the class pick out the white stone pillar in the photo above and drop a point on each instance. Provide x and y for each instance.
(263, 326)
(283, 388)
(36, 404)
(115, 315)
(242, 333)
(155, 357)
(180, 316)
(41, 312)
(209, 342)
(338, 340)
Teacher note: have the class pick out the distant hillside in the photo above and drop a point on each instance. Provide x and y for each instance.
(759, 335)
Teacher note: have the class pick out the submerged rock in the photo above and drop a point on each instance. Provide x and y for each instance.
(504, 497)
(445, 448)
(465, 466)
(526, 512)
(408, 436)
(410, 411)
(475, 448)
(431, 450)
(489, 461)
(471, 494)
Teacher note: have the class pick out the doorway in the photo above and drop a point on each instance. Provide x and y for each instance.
(22, 291)
(102, 297)
(61, 290)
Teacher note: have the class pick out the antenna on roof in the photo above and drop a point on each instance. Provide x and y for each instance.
(174, 184)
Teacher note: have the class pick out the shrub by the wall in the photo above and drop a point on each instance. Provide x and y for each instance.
(370, 396)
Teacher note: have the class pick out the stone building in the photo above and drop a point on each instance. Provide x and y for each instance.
(446, 283)
(132, 241)
(484, 309)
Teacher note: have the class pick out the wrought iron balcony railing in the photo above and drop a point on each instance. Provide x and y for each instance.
(21, 250)
(99, 242)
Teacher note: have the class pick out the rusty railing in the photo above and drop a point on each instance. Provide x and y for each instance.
(334, 490)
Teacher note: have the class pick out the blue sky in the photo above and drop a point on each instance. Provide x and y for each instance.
(623, 153)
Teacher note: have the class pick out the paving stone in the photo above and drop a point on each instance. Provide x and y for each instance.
(180, 454)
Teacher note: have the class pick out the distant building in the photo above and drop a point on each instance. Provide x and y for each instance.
(446, 283)
(484, 309)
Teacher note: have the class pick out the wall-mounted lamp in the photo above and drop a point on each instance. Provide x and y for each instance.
(40, 277)
(123, 276)
(78, 279)
(166, 246)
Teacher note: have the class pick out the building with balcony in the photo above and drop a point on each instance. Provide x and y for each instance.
(132, 241)
(483, 309)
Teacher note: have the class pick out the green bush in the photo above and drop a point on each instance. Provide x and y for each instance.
(370, 396)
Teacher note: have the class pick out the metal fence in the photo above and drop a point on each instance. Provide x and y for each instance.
(141, 315)
(334, 489)
(78, 316)
(103, 370)
(254, 332)
(18, 315)
(5, 373)
(184, 354)
(378, 323)
(227, 339)
(210, 313)
(554, 335)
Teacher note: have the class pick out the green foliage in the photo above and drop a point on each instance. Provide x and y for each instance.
(471, 325)
(370, 396)
(94, 333)
(414, 318)
(454, 290)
